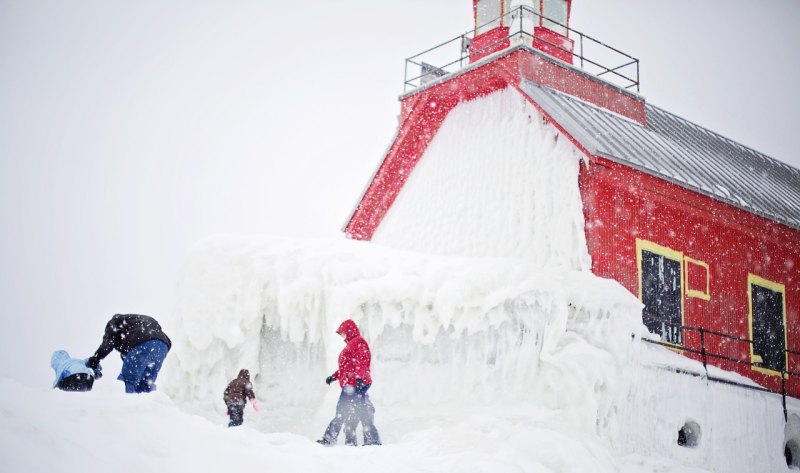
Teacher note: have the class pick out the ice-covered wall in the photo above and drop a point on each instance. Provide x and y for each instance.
(737, 430)
(495, 181)
(459, 335)
(460, 330)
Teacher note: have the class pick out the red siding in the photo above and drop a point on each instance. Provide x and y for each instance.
(622, 204)
(552, 43)
(490, 42)
(585, 87)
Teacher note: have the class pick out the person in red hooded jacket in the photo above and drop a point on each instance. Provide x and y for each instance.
(354, 378)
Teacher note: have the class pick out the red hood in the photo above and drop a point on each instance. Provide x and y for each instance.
(349, 329)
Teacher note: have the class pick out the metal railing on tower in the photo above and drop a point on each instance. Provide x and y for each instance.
(588, 54)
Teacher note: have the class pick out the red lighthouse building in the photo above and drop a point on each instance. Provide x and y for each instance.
(705, 231)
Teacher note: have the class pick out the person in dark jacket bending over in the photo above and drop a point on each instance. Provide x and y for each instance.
(142, 346)
(354, 378)
(236, 395)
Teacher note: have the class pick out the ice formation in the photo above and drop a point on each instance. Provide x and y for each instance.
(444, 330)
(737, 430)
(494, 181)
(455, 339)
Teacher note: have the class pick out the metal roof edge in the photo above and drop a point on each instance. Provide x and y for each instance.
(775, 218)
(729, 140)
(531, 83)
(590, 144)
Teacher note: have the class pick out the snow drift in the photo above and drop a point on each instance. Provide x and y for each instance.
(443, 330)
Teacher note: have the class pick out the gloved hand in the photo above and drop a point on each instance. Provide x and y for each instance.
(361, 386)
(330, 379)
(94, 364)
(256, 407)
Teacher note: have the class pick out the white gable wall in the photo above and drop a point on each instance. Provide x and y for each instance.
(494, 182)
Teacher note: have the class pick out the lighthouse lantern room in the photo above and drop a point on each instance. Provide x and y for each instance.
(542, 24)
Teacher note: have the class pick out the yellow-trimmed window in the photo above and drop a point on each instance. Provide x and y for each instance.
(697, 278)
(661, 290)
(767, 321)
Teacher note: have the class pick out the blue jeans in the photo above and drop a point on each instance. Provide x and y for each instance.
(353, 407)
(141, 366)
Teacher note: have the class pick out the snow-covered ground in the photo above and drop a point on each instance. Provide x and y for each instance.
(43, 430)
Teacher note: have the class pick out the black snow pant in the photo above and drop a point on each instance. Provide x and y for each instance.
(353, 407)
(78, 382)
(236, 412)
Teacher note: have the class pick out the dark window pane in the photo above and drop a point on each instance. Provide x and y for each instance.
(768, 330)
(661, 296)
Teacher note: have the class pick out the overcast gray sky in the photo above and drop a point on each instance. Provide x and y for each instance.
(129, 130)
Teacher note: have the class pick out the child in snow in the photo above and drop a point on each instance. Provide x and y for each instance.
(236, 395)
(72, 374)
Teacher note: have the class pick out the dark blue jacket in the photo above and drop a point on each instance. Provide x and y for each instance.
(124, 332)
